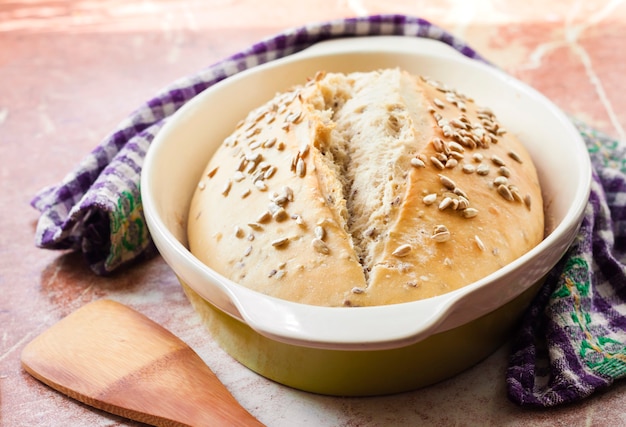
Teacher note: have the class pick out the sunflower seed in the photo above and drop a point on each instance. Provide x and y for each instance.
(460, 192)
(288, 192)
(482, 169)
(320, 246)
(402, 250)
(447, 182)
(470, 212)
(304, 150)
(255, 144)
(458, 124)
(269, 143)
(501, 180)
(417, 163)
(463, 203)
(437, 144)
(467, 168)
(226, 188)
(445, 203)
(280, 242)
(294, 117)
(264, 217)
(429, 199)
(517, 196)
(497, 160)
(479, 243)
(504, 191)
(300, 168)
(456, 155)
(253, 157)
(441, 234)
(319, 232)
(437, 163)
(451, 163)
(504, 171)
(212, 172)
(439, 228)
(515, 156)
(280, 215)
(455, 146)
(527, 201)
(251, 131)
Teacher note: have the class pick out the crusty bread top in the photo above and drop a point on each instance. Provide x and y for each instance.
(366, 189)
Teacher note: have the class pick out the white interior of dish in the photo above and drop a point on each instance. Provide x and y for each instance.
(181, 150)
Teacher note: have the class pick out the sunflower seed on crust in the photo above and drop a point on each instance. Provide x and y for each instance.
(417, 163)
(441, 234)
(447, 182)
(470, 212)
(506, 194)
(445, 203)
(280, 242)
(497, 161)
(429, 199)
(437, 163)
(280, 215)
(528, 201)
(264, 217)
(515, 156)
(479, 243)
(320, 246)
(468, 168)
(319, 232)
(402, 250)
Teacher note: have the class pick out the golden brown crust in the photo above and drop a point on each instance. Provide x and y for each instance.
(271, 210)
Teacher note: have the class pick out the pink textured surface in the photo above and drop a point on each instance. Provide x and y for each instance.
(71, 70)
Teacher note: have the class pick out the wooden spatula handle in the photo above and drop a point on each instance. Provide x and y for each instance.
(113, 358)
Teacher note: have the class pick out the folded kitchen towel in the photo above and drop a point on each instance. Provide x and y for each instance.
(572, 339)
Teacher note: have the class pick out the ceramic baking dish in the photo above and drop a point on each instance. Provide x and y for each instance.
(363, 350)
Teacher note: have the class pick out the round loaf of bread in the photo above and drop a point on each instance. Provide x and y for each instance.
(366, 189)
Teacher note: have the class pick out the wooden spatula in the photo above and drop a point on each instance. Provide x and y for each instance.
(113, 358)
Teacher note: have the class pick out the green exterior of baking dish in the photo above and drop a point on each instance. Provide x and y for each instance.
(369, 372)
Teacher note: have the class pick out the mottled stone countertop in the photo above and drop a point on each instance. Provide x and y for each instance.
(70, 70)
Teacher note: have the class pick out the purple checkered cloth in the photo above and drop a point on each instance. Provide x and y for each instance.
(572, 340)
